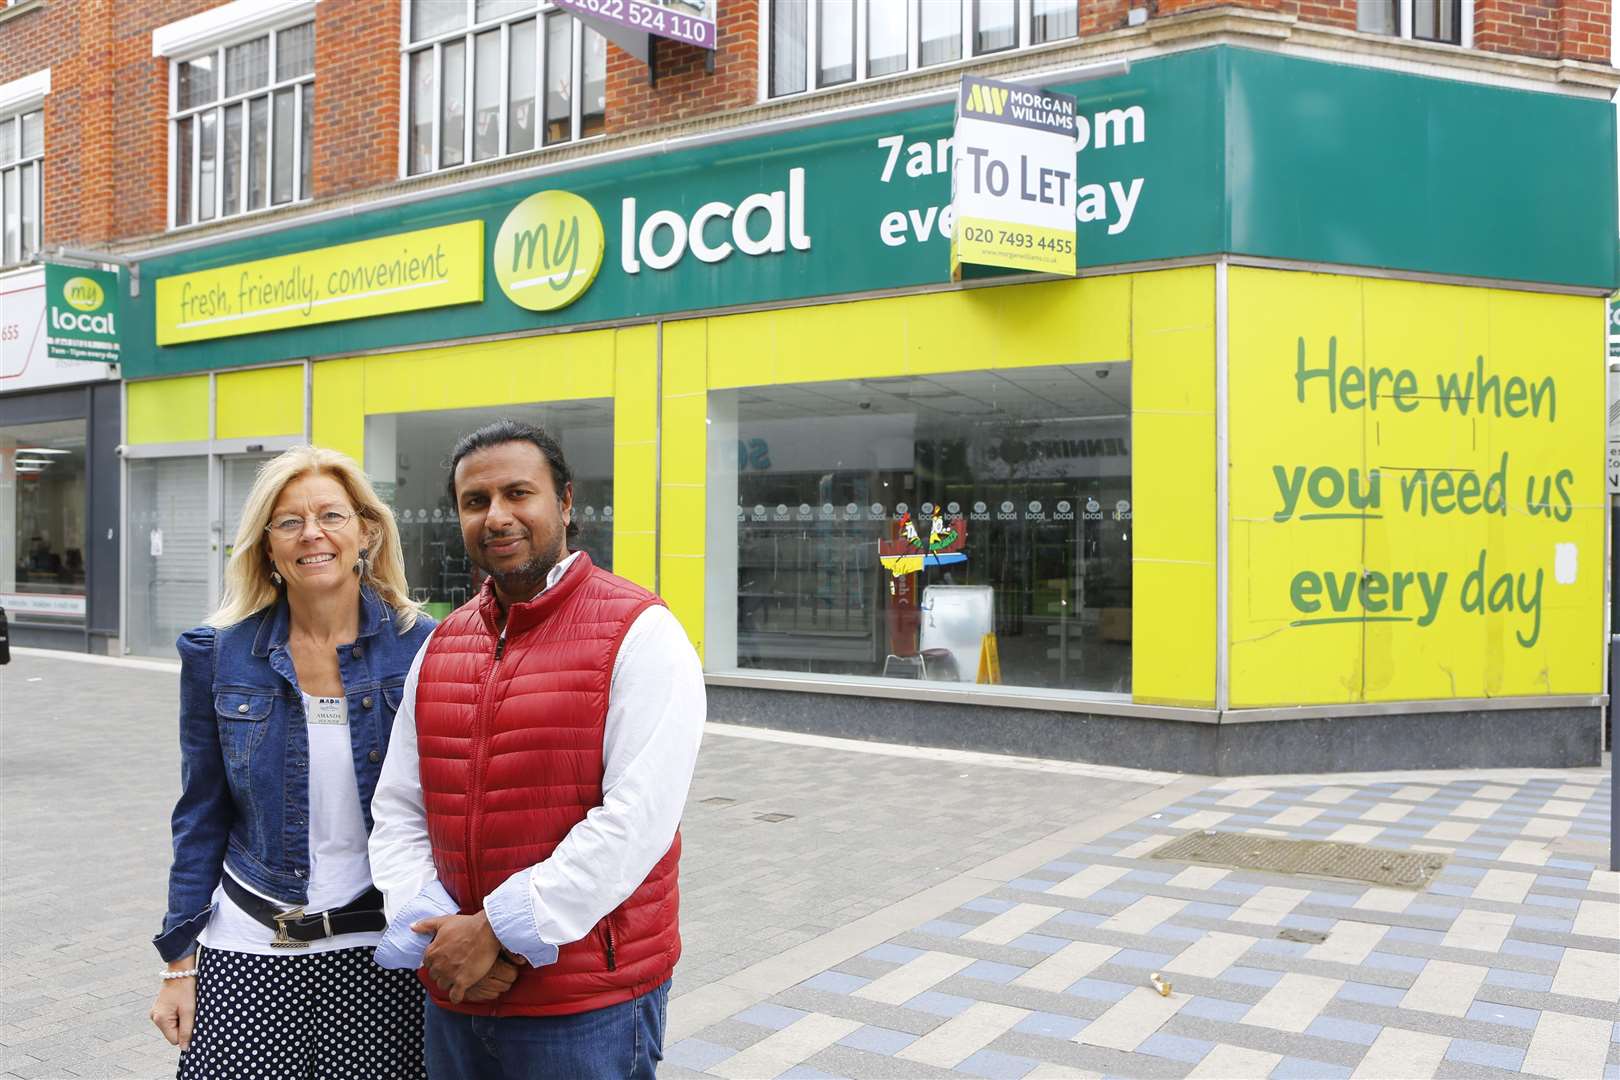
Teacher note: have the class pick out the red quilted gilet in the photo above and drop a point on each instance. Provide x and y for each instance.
(510, 737)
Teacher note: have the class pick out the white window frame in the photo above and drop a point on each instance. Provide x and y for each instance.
(1025, 30)
(19, 98)
(468, 32)
(213, 32)
(1465, 36)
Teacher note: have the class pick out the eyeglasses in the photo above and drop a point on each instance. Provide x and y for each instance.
(328, 521)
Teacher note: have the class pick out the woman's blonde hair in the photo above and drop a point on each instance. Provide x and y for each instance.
(248, 587)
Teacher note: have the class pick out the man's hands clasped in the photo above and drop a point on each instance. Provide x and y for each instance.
(464, 959)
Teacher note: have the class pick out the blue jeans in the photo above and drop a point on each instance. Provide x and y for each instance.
(619, 1042)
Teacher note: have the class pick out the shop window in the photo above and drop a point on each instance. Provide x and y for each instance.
(22, 186)
(42, 508)
(816, 44)
(1447, 21)
(488, 78)
(407, 457)
(242, 126)
(959, 528)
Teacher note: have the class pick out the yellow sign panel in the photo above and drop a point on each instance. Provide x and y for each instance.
(405, 272)
(1417, 491)
(989, 242)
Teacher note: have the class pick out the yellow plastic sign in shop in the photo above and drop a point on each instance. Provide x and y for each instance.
(410, 271)
(1417, 491)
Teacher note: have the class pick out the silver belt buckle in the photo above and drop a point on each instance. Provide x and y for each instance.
(281, 940)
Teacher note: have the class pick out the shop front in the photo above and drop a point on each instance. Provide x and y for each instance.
(59, 433)
(1299, 472)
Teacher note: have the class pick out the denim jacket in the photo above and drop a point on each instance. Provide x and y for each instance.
(244, 749)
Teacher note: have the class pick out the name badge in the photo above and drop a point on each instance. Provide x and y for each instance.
(328, 710)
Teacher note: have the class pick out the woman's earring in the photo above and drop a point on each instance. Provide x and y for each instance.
(275, 578)
(361, 566)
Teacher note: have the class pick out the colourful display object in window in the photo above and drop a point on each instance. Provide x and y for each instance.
(908, 552)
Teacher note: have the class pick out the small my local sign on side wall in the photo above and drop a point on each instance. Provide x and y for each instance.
(81, 314)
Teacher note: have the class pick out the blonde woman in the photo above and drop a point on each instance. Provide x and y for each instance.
(287, 700)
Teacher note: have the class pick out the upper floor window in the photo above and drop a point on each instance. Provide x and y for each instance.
(22, 185)
(242, 125)
(1448, 21)
(815, 44)
(486, 78)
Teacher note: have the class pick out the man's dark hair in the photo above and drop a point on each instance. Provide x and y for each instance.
(505, 431)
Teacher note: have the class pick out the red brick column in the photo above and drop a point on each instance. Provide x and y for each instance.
(357, 96)
(685, 89)
(1583, 30)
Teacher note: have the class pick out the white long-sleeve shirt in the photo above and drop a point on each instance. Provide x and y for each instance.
(655, 716)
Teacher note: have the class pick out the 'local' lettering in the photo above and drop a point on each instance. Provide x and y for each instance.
(84, 324)
(664, 238)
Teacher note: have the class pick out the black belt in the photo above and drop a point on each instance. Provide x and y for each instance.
(295, 929)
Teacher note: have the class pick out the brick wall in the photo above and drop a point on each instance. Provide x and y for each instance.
(1583, 30)
(106, 119)
(357, 95)
(685, 88)
(1339, 13)
(1513, 26)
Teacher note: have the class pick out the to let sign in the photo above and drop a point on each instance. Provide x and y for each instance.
(1012, 186)
(81, 314)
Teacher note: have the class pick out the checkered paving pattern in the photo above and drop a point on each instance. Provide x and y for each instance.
(1508, 963)
(789, 840)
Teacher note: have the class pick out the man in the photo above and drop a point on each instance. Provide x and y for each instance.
(529, 805)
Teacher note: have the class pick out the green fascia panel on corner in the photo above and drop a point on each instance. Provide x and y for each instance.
(1362, 167)
(1214, 150)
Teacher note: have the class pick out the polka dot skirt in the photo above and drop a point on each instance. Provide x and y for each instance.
(326, 1016)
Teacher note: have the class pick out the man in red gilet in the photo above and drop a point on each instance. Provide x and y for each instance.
(526, 821)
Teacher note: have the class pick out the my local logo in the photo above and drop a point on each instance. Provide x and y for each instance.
(84, 295)
(548, 250)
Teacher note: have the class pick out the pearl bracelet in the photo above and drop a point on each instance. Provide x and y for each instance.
(189, 973)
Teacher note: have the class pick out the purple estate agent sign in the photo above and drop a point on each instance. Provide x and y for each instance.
(691, 21)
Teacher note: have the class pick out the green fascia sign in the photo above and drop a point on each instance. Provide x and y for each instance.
(1213, 150)
(81, 314)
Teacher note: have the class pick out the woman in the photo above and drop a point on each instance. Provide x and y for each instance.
(287, 700)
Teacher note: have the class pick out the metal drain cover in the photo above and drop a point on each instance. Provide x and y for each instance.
(1312, 858)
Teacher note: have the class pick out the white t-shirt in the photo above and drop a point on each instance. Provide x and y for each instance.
(338, 867)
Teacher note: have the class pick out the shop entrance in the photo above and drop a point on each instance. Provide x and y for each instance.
(168, 570)
(184, 511)
(237, 472)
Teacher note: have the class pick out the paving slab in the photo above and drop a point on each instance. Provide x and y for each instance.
(866, 910)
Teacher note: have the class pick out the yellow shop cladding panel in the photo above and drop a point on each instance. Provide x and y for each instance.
(404, 272)
(1417, 494)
